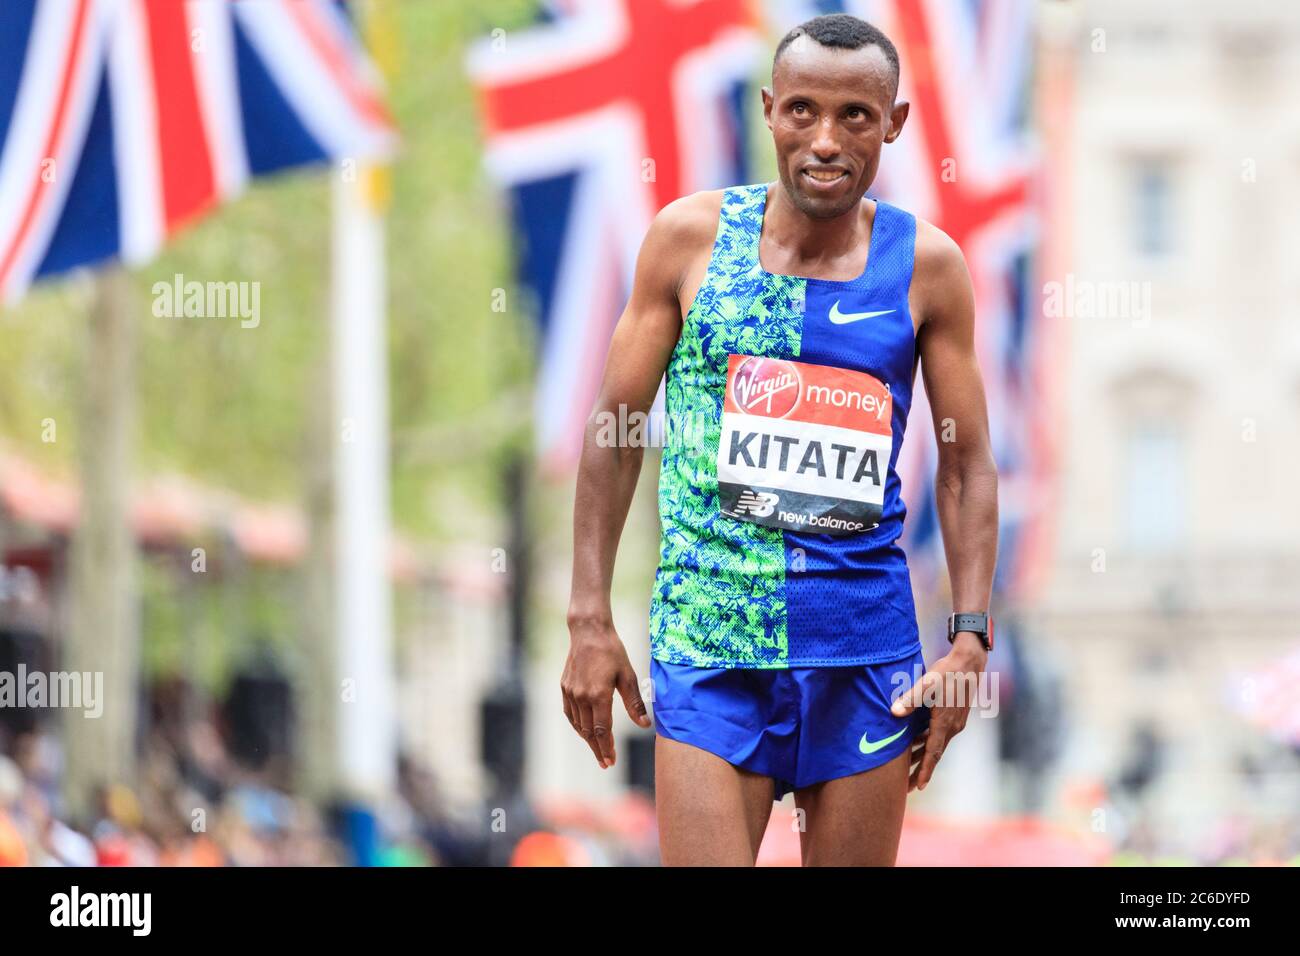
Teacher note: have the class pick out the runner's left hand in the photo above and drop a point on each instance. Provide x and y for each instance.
(948, 689)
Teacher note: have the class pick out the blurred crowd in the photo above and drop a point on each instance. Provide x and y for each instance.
(192, 809)
(215, 790)
(172, 820)
(199, 802)
(198, 806)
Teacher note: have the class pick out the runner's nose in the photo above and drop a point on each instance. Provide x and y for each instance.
(825, 145)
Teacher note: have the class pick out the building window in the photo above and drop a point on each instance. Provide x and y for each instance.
(1153, 200)
(1156, 487)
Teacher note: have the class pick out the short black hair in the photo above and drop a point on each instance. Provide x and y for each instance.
(845, 32)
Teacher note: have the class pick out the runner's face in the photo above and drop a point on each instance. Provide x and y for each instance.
(830, 110)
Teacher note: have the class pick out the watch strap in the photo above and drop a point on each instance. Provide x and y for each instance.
(976, 622)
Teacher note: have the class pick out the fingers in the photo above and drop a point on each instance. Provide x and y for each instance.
(586, 725)
(592, 721)
(934, 746)
(570, 704)
(914, 758)
(602, 710)
(918, 747)
(570, 709)
(630, 691)
(915, 696)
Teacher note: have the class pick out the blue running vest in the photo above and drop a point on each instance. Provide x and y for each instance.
(780, 507)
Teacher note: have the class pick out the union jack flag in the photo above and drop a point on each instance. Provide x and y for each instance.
(595, 120)
(123, 120)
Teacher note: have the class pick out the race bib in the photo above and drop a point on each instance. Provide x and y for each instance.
(804, 447)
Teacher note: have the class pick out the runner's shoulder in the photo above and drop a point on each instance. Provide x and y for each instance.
(688, 222)
(681, 236)
(938, 257)
(940, 280)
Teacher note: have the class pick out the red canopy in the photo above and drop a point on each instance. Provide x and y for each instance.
(174, 511)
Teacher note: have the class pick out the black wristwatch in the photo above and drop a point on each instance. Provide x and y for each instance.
(978, 623)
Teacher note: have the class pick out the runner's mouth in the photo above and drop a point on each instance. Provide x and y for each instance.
(822, 179)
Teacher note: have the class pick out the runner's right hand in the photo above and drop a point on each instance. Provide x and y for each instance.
(597, 666)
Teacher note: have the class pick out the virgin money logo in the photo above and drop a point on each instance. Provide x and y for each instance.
(764, 386)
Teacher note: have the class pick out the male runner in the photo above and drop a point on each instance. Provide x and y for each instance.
(783, 631)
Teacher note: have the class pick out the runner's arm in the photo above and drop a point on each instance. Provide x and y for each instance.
(966, 480)
(643, 341)
(966, 486)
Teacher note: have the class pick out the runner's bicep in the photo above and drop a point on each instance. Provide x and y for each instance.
(647, 331)
(643, 341)
(950, 366)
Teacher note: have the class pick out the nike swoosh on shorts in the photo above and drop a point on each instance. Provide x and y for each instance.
(870, 747)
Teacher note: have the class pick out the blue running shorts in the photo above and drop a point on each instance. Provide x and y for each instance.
(797, 725)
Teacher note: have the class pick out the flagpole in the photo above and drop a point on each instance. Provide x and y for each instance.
(102, 642)
(363, 637)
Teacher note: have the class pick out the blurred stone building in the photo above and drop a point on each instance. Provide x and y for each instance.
(1177, 548)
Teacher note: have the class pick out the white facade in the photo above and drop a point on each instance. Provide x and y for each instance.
(1177, 553)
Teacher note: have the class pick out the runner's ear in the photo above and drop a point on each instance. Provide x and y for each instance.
(897, 117)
